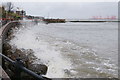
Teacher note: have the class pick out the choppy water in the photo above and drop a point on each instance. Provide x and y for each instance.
(85, 50)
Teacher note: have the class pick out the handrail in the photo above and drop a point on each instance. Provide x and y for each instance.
(20, 67)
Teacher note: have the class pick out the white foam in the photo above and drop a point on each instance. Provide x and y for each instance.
(27, 39)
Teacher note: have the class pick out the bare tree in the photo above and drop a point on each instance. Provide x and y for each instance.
(9, 6)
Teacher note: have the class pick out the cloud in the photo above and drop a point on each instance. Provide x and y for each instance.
(70, 10)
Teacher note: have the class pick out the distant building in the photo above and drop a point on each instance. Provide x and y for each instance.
(21, 13)
(39, 18)
(104, 18)
(34, 17)
(29, 17)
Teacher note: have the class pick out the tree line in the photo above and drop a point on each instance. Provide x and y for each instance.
(8, 12)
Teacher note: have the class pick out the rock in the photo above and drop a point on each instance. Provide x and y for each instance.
(9, 53)
(26, 56)
(38, 68)
(16, 54)
(6, 46)
(18, 51)
(11, 37)
(30, 56)
(10, 32)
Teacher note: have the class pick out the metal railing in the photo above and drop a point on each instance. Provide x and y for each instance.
(19, 67)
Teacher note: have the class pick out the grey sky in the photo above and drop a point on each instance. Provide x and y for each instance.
(70, 10)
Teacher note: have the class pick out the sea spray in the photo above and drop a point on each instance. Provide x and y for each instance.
(26, 38)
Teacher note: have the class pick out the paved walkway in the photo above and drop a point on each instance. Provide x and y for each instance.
(1, 29)
(3, 74)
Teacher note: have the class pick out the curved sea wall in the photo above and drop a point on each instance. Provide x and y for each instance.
(7, 27)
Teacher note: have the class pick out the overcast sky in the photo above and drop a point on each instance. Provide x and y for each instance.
(69, 10)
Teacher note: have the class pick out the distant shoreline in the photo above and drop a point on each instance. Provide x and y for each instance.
(93, 21)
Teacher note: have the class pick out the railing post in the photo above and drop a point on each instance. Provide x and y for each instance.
(18, 71)
(17, 74)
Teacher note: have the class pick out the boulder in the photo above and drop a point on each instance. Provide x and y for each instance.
(38, 68)
(6, 46)
(6, 49)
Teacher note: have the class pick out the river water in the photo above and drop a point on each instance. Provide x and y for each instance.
(72, 50)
